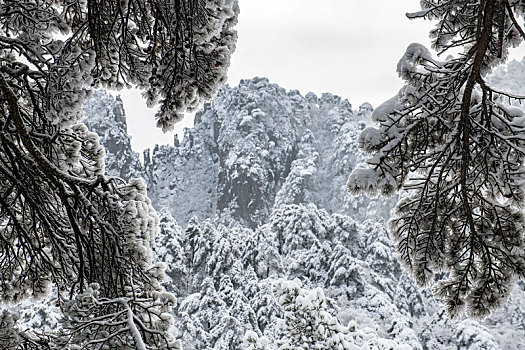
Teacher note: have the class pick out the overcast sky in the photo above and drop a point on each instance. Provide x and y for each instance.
(346, 47)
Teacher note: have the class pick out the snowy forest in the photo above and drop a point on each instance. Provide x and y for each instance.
(280, 220)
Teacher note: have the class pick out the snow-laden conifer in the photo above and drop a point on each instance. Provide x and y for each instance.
(308, 323)
(63, 222)
(451, 141)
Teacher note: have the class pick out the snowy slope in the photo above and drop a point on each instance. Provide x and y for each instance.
(257, 188)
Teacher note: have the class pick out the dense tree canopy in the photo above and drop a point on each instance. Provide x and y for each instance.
(62, 221)
(456, 146)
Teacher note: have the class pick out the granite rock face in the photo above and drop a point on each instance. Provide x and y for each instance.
(105, 116)
(252, 149)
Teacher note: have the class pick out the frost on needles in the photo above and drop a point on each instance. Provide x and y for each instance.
(456, 148)
(64, 224)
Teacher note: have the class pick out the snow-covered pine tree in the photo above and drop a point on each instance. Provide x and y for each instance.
(308, 324)
(200, 239)
(169, 250)
(229, 333)
(62, 221)
(252, 341)
(449, 139)
(205, 310)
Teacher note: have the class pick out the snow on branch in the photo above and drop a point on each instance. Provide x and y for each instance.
(451, 142)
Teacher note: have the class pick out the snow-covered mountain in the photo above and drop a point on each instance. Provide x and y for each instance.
(254, 193)
(254, 148)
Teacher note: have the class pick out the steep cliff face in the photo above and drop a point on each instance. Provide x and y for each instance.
(183, 178)
(105, 116)
(257, 142)
(254, 148)
(278, 147)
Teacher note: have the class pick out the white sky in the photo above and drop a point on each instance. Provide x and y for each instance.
(346, 47)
